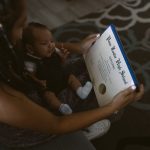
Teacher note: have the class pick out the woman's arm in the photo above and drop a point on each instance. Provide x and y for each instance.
(17, 110)
(80, 47)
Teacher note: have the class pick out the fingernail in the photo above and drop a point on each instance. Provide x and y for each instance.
(133, 87)
(97, 36)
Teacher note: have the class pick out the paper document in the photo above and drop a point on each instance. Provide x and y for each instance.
(108, 66)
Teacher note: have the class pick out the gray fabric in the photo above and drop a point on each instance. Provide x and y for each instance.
(72, 141)
(15, 137)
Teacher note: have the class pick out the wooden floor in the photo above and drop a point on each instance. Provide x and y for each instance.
(54, 13)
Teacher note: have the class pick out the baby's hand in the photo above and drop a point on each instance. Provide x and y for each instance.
(63, 53)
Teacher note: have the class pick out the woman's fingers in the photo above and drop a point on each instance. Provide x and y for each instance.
(139, 94)
(127, 96)
(134, 96)
(89, 41)
(127, 91)
(91, 36)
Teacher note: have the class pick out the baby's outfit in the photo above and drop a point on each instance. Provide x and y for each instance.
(51, 70)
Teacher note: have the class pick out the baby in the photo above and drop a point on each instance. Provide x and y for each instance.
(44, 62)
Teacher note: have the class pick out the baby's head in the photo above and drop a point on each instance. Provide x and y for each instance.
(38, 40)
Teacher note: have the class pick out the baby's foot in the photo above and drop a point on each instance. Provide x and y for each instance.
(65, 109)
(84, 91)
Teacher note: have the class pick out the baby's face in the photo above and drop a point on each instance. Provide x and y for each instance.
(43, 45)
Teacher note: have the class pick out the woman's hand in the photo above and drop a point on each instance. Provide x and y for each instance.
(125, 97)
(86, 43)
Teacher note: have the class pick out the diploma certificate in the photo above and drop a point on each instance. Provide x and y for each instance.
(108, 66)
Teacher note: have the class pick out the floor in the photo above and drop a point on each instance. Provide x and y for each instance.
(58, 12)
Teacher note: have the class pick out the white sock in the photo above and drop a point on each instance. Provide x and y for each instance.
(84, 91)
(65, 109)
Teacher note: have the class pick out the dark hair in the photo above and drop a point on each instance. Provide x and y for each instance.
(7, 17)
(11, 65)
(27, 36)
